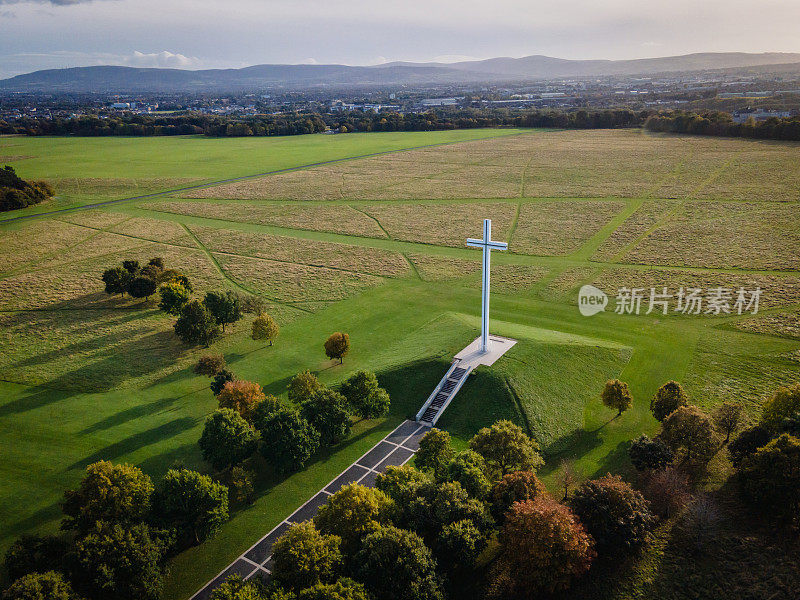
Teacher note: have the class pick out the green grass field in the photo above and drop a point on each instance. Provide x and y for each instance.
(372, 246)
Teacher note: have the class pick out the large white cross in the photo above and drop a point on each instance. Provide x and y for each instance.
(488, 245)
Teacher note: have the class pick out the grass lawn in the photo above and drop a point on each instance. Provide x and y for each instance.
(85, 377)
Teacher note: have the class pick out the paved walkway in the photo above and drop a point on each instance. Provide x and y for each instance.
(393, 450)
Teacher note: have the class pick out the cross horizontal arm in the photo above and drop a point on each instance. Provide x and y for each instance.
(491, 245)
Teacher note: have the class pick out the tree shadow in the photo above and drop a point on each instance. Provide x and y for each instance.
(137, 441)
(572, 445)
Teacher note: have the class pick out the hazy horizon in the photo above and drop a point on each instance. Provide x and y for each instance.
(43, 34)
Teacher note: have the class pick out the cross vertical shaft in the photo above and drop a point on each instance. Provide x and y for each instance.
(487, 245)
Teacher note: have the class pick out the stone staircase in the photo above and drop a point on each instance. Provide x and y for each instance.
(443, 393)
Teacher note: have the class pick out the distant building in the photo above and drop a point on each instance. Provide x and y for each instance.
(440, 101)
(760, 115)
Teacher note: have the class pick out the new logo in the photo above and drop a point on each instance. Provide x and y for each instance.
(591, 300)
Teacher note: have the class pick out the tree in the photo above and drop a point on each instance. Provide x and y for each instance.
(196, 325)
(616, 395)
(770, 478)
(669, 398)
(242, 396)
(47, 585)
(352, 513)
(156, 262)
(117, 280)
(344, 589)
(519, 486)
(224, 307)
(227, 439)
(436, 505)
(236, 588)
(727, 418)
(191, 503)
(288, 440)
(142, 287)
(264, 328)
(543, 547)
(219, 381)
(395, 564)
(692, 430)
(121, 563)
(241, 487)
(434, 451)
(172, 298)
(366, 398)
(747, 442)
(337, 345)
(459, 544)
(506, 448)
(108, 492)
(34, 554)
(209, 365)
(615, 515)
(784, 403)
(265, 409)
(567, 477)
(668, 491)
(401, 483)
(131, 266)
(469, 469)
(303, 386)
(647, 454)
(173, 276)
(304, 557)
(327, 412)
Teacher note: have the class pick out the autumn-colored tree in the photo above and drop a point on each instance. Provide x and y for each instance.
(544, 547)
(783, 404)
(304, 557)
(668, 491)
(209, 365)
(241, 396)
(669, 398)
(690, 429)
(108, 492)
(770, 478)
(506, 448)
(616, 395)
(519, 486)
(352, 513)
(303, 386)
(567, 477)
(337, 346)
(434, 451)
(727, 418)
(264, 328)
(615, 515)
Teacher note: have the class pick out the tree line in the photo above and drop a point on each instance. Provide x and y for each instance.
(308, 122)
(715, 123)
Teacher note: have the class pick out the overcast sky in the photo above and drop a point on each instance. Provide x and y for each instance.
(39, 34)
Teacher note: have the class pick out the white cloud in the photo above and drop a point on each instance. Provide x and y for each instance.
(309, 61)
(161, 59)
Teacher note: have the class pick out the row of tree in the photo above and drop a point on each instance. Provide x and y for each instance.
(285, 434)
(119, 529)
(305, 123)
(722, 124)
(16, 193)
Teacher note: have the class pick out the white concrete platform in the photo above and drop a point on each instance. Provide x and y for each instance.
(471, 355)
